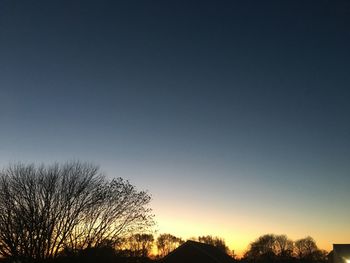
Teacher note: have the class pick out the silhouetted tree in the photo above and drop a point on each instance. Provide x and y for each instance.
(262, 248)
(47, 208)
(307, 250)
(140, 245)
(283, 246)
(167, 243)
(278, 248)
(214, 241)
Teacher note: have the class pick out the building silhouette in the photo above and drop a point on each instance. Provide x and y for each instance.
(340, 253)
(192, 251)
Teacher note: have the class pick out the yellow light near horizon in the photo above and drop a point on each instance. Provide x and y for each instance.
(347, 260)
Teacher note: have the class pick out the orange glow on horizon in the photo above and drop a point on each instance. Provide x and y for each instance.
(240, 231)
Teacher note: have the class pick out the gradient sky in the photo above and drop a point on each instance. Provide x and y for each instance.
(233, 114)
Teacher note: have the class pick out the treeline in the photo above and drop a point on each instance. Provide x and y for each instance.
(269, 248)
(137, 248)
(272, 248)
(146, 248)
(72, 213)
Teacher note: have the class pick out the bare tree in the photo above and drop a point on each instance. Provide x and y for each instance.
(279, 248)
(47, 208)
(264, 246)
(140, 245)
(167, 243)
(283, 246)
(305, 248)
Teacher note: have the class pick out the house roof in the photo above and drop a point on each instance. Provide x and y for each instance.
(341, 250)
(192, 251)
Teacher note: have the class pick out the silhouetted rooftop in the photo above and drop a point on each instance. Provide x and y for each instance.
(341, 252)
(192, 251)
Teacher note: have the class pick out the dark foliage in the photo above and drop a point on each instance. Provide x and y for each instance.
(279, 249)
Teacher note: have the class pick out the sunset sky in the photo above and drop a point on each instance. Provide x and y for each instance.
(234, 115)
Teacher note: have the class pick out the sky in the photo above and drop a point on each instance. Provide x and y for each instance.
(234, 115)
